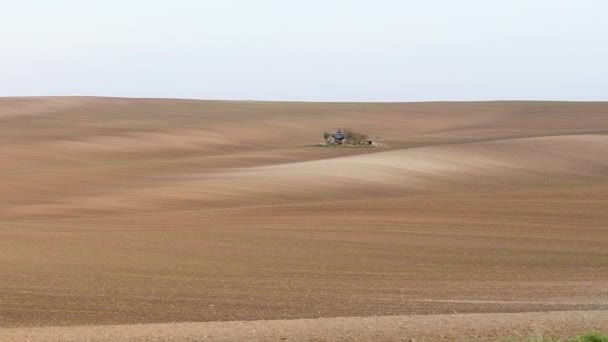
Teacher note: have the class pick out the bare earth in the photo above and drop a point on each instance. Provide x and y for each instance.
(133, 211)
(462, 327)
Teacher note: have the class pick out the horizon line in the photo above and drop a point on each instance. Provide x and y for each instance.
(297, 101)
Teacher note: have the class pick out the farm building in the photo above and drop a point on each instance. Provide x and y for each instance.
(336, 138)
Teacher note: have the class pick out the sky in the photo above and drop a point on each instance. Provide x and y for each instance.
(306, 50)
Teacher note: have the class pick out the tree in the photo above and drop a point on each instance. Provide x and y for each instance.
(354, 138)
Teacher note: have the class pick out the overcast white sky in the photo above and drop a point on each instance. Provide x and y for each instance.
(323, 50)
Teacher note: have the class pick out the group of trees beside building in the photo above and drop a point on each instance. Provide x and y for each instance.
(346, 137)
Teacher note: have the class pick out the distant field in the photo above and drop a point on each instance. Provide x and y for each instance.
(123, 211)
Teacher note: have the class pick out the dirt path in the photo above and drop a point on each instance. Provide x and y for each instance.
(468, 327)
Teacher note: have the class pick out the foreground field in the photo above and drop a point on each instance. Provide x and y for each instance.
(123, 211)
(518, 327)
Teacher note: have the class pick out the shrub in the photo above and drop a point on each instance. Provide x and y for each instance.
(592, 337)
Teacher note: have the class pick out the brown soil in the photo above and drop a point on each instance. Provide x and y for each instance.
(123, 211)
(511, 327)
